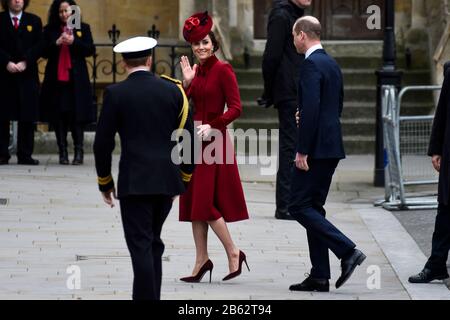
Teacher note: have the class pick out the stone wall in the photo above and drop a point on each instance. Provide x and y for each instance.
(133, 17)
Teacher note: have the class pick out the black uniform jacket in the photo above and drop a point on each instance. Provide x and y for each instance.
(82, 47)
(20, 91)
(146, 111)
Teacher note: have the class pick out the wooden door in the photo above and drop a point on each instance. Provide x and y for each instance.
(261, 10)
(347, 19)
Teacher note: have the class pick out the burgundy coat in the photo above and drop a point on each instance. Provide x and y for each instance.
(215, 190)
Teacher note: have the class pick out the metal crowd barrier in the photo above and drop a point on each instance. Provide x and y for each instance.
(406, 140)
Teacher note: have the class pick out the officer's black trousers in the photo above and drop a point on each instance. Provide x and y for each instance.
(25, 140)
(143, 218)
(286, 154)
(441, 241)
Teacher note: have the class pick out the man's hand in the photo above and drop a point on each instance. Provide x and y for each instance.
(12, 68)
(22, 66)
(437, 162)
(109, 197)
(301, 162)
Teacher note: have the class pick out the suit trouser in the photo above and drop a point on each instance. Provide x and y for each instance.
(143, 218)
(441, 241)
(286, 153)
(25, 139)
(308, 196)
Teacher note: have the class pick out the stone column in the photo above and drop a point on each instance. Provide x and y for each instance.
(418, 14)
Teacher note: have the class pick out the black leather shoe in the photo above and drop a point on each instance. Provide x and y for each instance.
(28, 162)
(426, 276)
(63, 158)
(283, 215)
(78, 159)
(348, 265)
(312, 285)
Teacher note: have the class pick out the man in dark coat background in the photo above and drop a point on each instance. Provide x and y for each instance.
(439, 150)
(281, 63)
(20, 48)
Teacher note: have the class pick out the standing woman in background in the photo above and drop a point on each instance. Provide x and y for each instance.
(67, 97)
(214, 196)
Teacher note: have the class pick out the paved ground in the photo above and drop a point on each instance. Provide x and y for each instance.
(55, 219)
(420, 225)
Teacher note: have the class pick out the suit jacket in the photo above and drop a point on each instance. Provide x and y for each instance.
(25, 44)
(82, 47)
(145, 111)
(281, 61)
(440, 139)
(320, 99)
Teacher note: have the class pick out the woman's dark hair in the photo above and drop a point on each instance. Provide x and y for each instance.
(53, 12)
(214, 41)
(5, 4)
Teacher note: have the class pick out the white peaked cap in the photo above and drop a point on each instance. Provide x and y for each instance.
(137, 47)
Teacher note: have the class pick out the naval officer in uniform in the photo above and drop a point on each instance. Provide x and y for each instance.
(145, 111)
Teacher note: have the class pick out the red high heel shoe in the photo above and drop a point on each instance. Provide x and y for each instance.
(208, 266)
(242, 258)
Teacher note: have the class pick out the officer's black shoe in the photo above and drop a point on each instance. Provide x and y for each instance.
(283, 215)
(4, 161)
(312, 285)
(426, 276)
(28, 162)
(348, 265)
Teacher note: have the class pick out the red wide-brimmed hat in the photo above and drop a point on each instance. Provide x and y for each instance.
(197, 27)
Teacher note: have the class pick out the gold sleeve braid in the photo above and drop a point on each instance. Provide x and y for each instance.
(105, 181)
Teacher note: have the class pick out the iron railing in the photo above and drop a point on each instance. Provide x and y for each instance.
(107, 69)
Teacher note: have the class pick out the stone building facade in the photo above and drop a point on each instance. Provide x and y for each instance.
(422, 26)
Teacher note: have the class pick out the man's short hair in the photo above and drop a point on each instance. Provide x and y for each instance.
(137, 62)
(309, 25)
(5, 4)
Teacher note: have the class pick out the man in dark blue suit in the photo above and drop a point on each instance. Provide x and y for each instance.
(439, 150)
(319, 150)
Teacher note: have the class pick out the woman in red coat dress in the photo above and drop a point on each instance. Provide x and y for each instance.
(214, 196)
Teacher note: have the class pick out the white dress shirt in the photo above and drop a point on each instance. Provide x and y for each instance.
(19, 16)
(312, 49)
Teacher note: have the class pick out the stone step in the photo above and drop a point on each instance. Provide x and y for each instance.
(351, 93)
(351, 77)
(353, 126)
(353, 144)
(349, 61)
(45, 143)
(352, 109)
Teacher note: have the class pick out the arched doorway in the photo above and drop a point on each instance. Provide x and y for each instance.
(341, 19)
